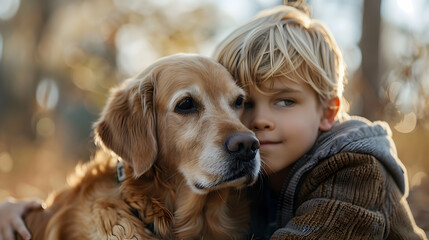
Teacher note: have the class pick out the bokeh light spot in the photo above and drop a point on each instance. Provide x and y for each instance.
(8, 8)
(393, 91)
(408, 123)
(45, 127)
(6, 162)
(134, 50)
(405, 5)
(417, 178)
(83, 78)
(47, 94)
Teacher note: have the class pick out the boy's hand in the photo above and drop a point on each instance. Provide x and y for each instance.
(11, 221)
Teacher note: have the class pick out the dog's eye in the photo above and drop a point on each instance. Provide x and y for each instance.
(239, 102)
(186, 106)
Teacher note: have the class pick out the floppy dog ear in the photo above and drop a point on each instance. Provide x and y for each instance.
(127, 125)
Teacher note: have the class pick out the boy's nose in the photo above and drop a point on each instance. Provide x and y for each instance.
(258, 117)
(261, 122)
(261, 126)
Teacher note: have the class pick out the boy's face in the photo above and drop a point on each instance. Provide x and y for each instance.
(286, 123)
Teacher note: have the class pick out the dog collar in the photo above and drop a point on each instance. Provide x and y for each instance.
(120, 176)
(120, 173)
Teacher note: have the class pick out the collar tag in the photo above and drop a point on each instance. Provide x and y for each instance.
(120, 173)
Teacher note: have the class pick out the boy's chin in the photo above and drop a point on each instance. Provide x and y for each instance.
(269, 170)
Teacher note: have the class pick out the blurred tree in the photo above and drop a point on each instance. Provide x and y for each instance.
(19, 71)
(369, 75)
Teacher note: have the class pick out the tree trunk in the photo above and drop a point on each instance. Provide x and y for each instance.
(371, 102)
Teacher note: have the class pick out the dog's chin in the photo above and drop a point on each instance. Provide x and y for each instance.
(237, 181)
(237, 176)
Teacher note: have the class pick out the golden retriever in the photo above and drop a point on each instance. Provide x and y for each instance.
(185, 155)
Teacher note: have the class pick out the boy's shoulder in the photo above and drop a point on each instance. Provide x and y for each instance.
(359, 135)
(345, 177)
(350, 177)
(355, 178)
(351, 189)
(346, 171)
(347, 165)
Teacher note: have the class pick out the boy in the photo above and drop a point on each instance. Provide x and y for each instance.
(326, 175)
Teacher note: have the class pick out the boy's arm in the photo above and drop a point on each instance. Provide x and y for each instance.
(350, 196)
(11, 214)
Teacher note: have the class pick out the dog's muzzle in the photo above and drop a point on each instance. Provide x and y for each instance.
(242, 162)
(242, 149)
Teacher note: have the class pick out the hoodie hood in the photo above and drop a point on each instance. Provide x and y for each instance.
(358, 135)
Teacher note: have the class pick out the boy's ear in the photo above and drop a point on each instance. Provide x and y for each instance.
(329, 113)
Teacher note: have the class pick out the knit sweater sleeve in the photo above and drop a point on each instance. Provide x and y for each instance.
(350, 196)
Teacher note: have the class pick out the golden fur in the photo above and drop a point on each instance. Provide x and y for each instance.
(181, 175)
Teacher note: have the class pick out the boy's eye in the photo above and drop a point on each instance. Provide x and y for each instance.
(285, 102)
(248, 105)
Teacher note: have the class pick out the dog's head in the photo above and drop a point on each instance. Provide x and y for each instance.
(182, 111)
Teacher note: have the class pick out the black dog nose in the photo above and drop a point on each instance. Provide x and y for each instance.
(243, 145)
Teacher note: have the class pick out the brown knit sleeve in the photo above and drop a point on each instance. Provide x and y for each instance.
(350, 196)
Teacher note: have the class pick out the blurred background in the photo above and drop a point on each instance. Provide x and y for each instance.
(59, 58)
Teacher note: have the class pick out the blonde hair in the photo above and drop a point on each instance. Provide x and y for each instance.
(285, 41)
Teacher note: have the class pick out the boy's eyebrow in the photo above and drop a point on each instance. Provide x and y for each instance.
(284, 90)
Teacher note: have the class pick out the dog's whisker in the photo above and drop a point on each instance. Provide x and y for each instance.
(265, 167)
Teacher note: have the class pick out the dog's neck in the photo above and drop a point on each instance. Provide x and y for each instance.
(194, 210)
(173, 208)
